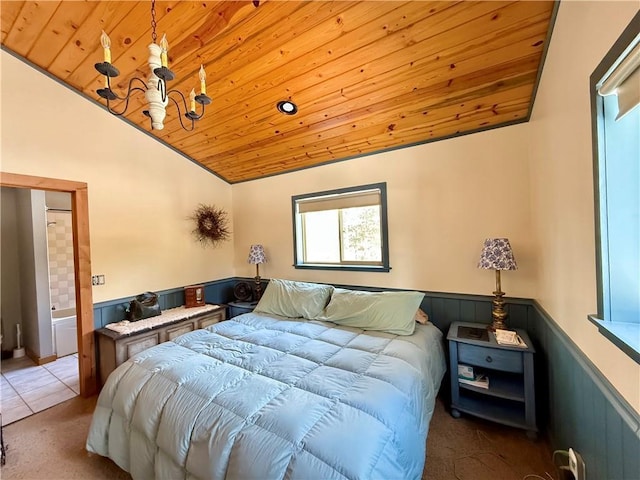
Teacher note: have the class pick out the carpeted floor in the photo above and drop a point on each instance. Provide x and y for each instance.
(50, 446)
(470, 448)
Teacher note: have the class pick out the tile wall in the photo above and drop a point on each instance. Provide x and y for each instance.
(60, 247)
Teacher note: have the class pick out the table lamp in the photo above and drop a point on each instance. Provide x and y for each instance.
(256, 257)
(497, 255)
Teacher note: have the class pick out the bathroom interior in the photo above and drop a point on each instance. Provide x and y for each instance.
(39, 365)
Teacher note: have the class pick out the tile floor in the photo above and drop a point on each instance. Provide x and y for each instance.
(26, 388)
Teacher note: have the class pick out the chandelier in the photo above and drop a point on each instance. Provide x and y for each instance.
(156, 92)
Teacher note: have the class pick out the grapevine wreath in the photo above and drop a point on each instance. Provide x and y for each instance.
(212, 225)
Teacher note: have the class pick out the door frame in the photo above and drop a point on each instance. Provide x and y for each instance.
(81, 266)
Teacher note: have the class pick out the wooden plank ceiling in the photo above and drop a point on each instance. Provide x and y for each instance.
(366, 76)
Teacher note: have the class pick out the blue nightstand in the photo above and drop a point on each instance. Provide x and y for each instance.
(238, 308)
(510, 398)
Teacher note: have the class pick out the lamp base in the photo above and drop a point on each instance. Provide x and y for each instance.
(258, 287)
(498, 314)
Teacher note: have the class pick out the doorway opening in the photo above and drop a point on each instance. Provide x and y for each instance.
(82, 267)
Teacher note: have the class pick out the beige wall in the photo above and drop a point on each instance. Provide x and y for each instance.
(562, 181)
(444, 198)
(140, 192)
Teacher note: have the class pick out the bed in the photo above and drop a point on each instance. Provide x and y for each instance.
(271, 397)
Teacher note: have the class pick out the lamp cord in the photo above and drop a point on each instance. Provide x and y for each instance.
(153, 21)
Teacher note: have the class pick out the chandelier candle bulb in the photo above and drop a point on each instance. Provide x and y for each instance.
(203, 81)
(192, 97)
(165, 46)
(106, 44)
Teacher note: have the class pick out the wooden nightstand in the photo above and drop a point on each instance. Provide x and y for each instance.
(510, 398)
(238, 308)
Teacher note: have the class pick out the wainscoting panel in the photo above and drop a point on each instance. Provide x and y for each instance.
(217, 291)
(584, 410)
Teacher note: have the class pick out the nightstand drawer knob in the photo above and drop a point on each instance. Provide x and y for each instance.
(489, 359)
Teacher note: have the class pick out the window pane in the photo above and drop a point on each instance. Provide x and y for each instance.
(361, 234)
(321, 237)
(621, 222)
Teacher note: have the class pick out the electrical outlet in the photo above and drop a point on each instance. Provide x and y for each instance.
(569, 461)
(94, 279)
(576, 465)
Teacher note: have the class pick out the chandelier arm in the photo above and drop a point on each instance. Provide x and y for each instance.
(178, 108)
(184, 101)
(126, 99)
(202, 114)
(129, 88)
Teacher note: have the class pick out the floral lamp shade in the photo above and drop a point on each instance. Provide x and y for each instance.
(256, 255)
(497, 255)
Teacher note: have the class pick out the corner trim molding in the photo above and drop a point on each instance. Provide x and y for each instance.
(545, 50)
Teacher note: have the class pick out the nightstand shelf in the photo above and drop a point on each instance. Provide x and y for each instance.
(500, 412)
(510, 398)
(501, 385)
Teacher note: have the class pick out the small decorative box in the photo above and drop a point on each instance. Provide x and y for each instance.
(194, 296)
(465, 371)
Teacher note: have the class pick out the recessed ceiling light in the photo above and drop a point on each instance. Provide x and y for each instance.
(287, 107)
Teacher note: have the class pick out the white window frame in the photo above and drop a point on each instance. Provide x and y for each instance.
(337, 199)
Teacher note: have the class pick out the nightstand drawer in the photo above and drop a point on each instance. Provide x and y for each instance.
(504, 360)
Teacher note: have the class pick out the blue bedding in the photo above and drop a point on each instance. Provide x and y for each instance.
(273, 398)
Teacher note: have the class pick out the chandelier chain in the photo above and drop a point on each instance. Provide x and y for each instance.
(153, 21)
